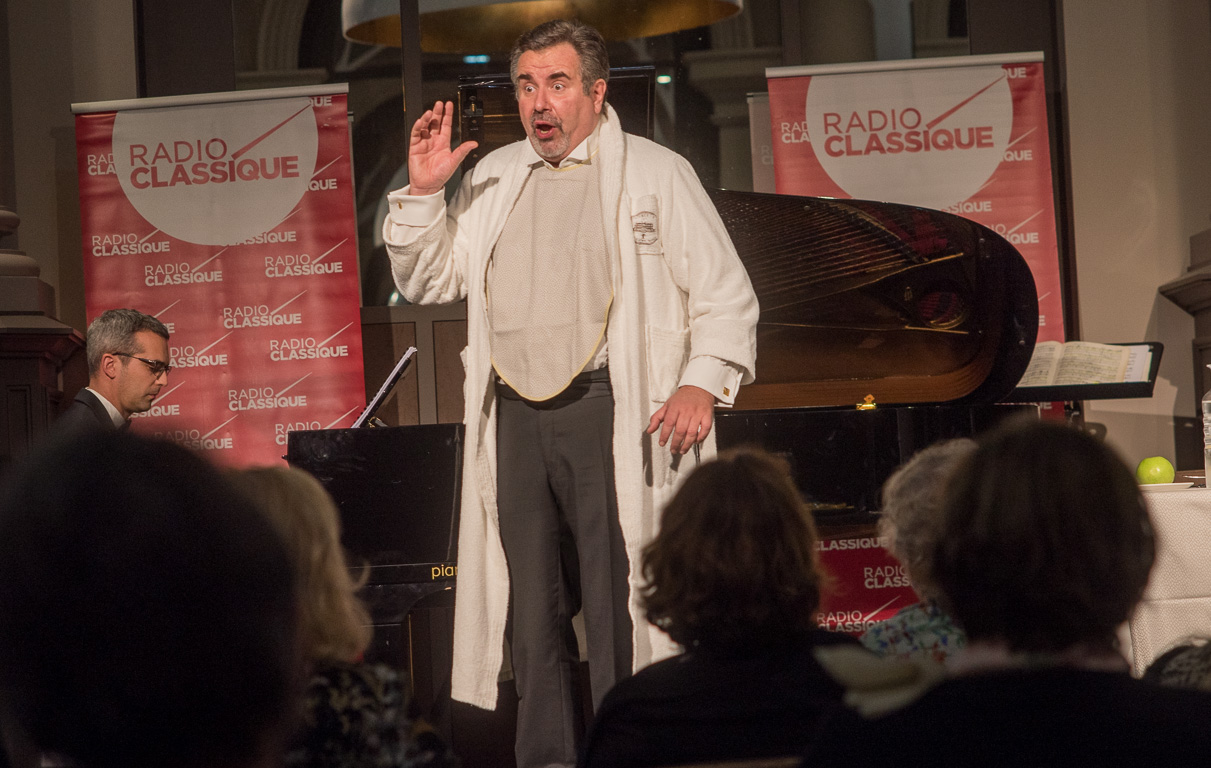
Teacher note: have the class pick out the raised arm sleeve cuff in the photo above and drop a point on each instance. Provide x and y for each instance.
(405, 210)
(716, 376)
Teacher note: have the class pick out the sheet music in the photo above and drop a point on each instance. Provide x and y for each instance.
(1042, 364)
(1076, 363)
(1087, 363)
(1139, 362)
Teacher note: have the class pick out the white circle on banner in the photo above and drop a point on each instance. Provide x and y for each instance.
(929, 137)
(216, 174)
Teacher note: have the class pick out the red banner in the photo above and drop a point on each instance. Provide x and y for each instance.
(964, 135)
(866, 584)
(230, 217)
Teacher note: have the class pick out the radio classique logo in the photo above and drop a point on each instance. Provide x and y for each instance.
(925, 137)
(216, 174)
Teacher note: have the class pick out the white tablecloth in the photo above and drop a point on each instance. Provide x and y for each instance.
(1177, 602)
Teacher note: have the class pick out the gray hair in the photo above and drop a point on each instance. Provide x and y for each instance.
(114, 331)
(911, 517)
(589, 45)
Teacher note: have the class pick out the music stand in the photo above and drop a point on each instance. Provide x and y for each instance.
(380, 397)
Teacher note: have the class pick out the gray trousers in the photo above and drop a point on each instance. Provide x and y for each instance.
(559, 526)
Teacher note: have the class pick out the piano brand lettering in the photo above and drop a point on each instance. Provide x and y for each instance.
(193, 438)
(306, 348)
(127, 244)
(178, 274)
(444, 571)
(262, 398)
(258, 316)
(299, 265)
(195, 162)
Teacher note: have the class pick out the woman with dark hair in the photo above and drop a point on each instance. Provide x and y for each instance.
(1044, 552)
(1187, 665)
(733, 578)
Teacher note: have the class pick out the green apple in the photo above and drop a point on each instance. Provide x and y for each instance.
(1154, 469)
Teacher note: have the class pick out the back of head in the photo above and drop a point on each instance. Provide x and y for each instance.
(911, 514)
(333, 622)
(588, 43)
(114, 331)
(1046, 543)
(1185, 666)
(734, 564)
(147, 611)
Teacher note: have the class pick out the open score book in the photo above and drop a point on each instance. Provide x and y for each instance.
(1085, 362)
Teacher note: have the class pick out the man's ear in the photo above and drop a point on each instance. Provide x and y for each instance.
(598, 91)
(110, 365)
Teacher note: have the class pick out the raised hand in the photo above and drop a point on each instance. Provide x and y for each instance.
(431, 161)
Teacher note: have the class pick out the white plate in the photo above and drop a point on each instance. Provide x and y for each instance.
(1161, 487)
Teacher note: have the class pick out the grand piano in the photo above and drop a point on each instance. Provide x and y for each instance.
(884, 328)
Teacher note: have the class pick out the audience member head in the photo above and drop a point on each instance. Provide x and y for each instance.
(911, 517)
(333, 622)
(1046, 543)
(128, 358)
(1186, 666)
(147, 610)
(734, 564)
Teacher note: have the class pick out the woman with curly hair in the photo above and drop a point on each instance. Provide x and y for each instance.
(354, 713)
(732, 577)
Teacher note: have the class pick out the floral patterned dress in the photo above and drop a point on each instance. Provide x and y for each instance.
(356, 716)
(922, 630)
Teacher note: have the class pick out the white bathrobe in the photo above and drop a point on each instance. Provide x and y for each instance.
(679, 292)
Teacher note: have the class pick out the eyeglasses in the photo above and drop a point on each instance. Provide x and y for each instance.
(158, 368)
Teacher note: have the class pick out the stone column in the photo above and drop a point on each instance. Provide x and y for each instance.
(35, 348)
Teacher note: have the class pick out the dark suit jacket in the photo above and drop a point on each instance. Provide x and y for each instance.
(1050, 716)
(705, 707)
(85, 415)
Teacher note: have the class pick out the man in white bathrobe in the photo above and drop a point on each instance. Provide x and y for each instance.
(607, 316)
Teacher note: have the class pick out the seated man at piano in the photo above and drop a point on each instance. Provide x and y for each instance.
(128, 364)
(608, 315)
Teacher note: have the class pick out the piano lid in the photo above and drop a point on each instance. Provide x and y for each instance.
(905, 304)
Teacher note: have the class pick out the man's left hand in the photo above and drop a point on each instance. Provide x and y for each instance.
(687, 417)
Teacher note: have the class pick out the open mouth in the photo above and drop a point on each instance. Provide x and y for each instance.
(544, 129)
